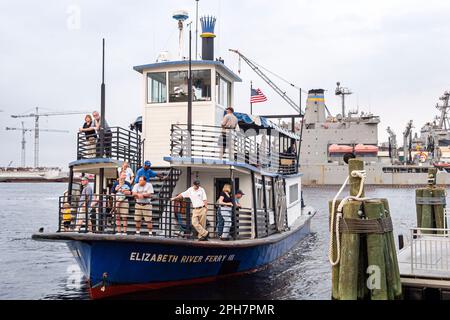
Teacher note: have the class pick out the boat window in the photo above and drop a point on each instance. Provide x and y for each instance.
(156, 87)
(201, 86)
(223, 91)
(293, 193)
(178, 86)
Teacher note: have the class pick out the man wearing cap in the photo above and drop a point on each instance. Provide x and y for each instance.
(84, 203)
(148, 173)
(229, 122)
(200, 203)
(238, 197)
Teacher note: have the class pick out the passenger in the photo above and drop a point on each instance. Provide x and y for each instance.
(143, 192)
(126, 168)
(122, 189)
(292, 150)
(200, 203)
(229, 122)
(67, 216)
(107, 135)
(91, 138)
(84, 204)
(226, 211)
(238, 197)
(148, 173)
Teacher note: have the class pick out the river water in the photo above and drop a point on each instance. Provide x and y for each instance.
(37, 270)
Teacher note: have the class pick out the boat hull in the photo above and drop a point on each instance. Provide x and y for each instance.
(121, 267)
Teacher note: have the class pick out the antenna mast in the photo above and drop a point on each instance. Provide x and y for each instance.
(181, 16)
(340, 91)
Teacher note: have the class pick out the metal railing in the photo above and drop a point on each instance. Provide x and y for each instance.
(118, 144)
(113, 214)
(430, 250)
(217, 144)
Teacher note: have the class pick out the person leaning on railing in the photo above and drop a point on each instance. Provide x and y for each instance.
(84, 204)
(91, 138)
(143, 192)
(107, 135)
(122, 189)
(148, 173)
(200, 203)
(229, 122)
(225, 202)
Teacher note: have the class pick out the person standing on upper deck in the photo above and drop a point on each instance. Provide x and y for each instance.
(129, 173)
(84, 204)
(143, 192)
(91, 138)
(200, 203)
(107, 134)
(229, 122)
(148, 173)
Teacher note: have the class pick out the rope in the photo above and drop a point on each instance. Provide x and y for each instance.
(334, 224)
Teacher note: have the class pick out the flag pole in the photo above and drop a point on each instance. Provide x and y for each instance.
(251, 92)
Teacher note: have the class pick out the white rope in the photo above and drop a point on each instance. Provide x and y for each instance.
(334, 224)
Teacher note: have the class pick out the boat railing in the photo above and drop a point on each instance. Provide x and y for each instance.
(216, 145)
(117, 143)
(430, 250)
(109, 214)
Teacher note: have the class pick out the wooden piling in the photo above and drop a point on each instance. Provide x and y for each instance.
(349, 264)
(427, 212)
(419, 195)
(375, 252)
(393, 273)
(355, 182)
(438, 210)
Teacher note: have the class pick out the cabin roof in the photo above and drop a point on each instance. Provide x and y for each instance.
(185, 63)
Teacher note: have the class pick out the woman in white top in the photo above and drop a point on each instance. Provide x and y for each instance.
(126, 168)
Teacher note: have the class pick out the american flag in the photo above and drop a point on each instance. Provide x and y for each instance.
(257, 96)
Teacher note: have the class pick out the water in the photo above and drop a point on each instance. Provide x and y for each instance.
(38, 270)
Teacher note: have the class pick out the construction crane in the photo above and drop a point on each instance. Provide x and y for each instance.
(281, 93)
(36, 130)
(24, 131)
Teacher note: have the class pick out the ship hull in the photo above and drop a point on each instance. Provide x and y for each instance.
(120, 266)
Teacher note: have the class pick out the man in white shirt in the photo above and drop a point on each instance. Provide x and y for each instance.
(200, 203)
(143, 192)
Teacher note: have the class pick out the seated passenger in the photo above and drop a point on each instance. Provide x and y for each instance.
(122, 189)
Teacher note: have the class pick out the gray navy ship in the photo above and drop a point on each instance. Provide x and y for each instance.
(328, 140)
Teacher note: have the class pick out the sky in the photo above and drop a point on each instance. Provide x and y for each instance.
(392, 54)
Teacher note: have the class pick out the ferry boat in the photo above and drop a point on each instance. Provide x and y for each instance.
(181, 136)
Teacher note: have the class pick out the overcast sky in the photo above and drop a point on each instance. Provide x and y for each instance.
(393, 54)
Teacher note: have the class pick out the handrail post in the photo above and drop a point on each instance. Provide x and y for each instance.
(255, 209)
(266, 211)
(61, 212)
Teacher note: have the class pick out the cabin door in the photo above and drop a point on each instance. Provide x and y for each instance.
(220, 183)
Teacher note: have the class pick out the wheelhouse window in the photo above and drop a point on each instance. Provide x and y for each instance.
(293, 193)
(201, 86)
(157, 87)
(223, 91)
(178, 86)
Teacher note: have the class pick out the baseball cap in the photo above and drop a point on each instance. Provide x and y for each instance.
(147, 164)
(85, 179)
(197, 183)
(240, 192)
